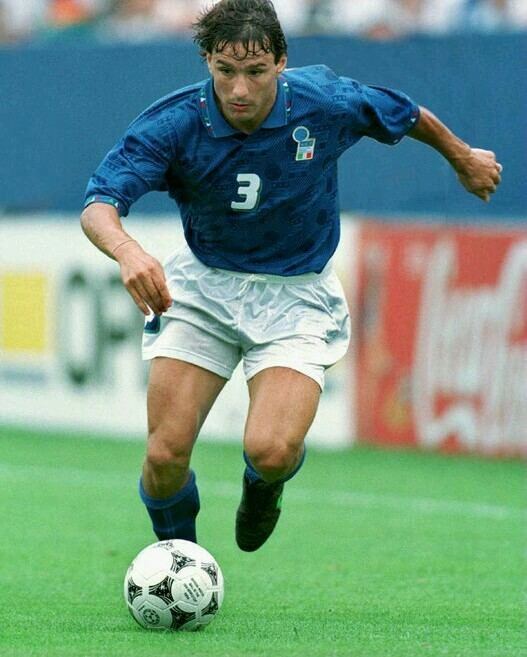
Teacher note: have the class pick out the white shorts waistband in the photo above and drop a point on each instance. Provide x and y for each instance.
(275, 278)
(250, 277)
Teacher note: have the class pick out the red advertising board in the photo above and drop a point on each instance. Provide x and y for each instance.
(441, 334)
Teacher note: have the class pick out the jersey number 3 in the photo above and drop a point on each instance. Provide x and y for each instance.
(250, 189)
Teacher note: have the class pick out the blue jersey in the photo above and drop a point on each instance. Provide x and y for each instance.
(265, 202)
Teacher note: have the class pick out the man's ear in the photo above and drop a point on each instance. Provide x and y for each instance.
(282, 63)
(209, 62)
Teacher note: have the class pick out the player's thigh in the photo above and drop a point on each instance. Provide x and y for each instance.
(283, 404)
(180, 396)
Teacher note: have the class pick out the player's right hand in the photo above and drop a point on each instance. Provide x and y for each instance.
(144, 278)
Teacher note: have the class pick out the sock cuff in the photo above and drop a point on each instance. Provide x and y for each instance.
(253, 475)
(154, 503)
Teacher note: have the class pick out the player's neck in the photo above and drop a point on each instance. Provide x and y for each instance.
(249, 125)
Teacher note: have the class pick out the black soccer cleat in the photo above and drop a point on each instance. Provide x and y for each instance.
(258, 513)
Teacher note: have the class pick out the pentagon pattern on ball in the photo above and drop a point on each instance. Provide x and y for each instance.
(179, 561)
(133, 590)
(212, 607)
(180, 617)
(163, 590)
(212, 572)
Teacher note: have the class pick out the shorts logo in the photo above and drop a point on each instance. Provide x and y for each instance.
(306, 145)
(153, 325)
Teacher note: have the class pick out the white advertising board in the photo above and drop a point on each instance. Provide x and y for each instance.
(70, 337)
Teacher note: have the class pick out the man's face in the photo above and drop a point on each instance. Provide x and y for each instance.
(245, 87)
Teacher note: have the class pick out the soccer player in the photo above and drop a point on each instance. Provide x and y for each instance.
(250, 158)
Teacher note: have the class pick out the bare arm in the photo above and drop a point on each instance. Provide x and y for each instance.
(477, 169)
(142, 275)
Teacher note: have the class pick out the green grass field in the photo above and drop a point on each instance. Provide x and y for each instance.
(377, 554)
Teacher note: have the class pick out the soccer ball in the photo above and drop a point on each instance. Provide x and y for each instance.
(173, 585)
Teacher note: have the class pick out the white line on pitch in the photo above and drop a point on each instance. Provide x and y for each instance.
(400, 503)
(295, 495)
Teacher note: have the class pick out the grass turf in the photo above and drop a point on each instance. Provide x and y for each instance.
(377, 554)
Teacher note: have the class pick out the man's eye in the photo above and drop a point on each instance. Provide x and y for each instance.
(255, 72)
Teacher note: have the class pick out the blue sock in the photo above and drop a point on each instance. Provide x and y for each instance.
(252, 474)
(174, 517)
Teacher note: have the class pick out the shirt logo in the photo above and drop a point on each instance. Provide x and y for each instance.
(306, 145)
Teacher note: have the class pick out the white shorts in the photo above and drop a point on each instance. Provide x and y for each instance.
(220, 317)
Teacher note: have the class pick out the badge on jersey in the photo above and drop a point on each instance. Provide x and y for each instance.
(306, 144)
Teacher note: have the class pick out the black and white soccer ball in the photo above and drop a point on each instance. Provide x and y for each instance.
(173, 585)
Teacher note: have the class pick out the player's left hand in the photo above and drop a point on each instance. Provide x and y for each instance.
(479, 172)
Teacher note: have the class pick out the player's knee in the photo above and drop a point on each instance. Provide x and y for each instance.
(273, 460)
(167, 452)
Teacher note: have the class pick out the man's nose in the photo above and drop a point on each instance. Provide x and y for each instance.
(240, 89)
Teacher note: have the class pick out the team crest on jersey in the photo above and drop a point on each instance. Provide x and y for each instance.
(306, 144)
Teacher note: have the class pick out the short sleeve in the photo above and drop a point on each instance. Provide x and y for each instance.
(369, 111)
(384, 114)
(137, 164)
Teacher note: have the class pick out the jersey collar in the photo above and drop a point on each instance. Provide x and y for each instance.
(217, 126)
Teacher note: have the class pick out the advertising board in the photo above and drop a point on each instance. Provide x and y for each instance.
(442, 337)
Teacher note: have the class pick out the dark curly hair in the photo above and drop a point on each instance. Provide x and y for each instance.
(251, 23)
